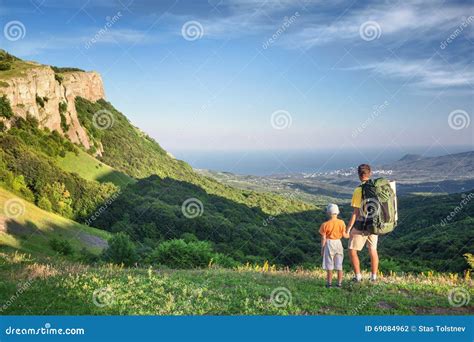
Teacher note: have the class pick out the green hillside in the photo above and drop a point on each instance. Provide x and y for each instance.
(129, 150)
(426, 239)
(155, 209)
(92, 169)
(28, 167)
(25, 227)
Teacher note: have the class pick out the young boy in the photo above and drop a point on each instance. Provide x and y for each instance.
(331, 247)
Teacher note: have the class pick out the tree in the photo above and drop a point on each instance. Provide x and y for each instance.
(121, 250)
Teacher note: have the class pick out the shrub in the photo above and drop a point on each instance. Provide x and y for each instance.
(61, 246)
(64, 124)
(469, 259)
(40, 101)
(5, 108)
(121, 250)
(389, 265)
(62, 112)
(45, 204)
(87, 256)
(182, 254)
(223, 261)
(59, 197)
(66, 69)
(5, 66)
(59, 78)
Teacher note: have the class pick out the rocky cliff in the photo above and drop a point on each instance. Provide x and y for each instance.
(50, 97)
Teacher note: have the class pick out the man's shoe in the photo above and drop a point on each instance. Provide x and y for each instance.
(328, 286)
(356, 280)
(339, 285)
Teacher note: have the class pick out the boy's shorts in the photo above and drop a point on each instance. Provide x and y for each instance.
(358, 239)
(333, 255)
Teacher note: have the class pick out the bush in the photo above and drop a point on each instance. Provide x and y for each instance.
(121, 250)
(5, 108)
(469, 259)
(5, 66)
(61, 246)
(389, 265)
(87, 256)
(181, 254)
(224, 261)
(45, 204)
(59, 78)
(40, 101)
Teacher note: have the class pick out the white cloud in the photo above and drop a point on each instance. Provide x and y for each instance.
(424, 73)
(419, 20)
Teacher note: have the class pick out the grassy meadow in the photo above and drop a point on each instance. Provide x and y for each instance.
(48, 286)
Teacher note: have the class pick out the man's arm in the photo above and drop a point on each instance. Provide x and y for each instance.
(355, 214)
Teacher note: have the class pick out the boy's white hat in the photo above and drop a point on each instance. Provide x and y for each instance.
(332, 209)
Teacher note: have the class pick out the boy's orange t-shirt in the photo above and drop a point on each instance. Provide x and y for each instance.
(333, 229)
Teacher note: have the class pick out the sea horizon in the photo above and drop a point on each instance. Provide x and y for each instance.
(277, 162)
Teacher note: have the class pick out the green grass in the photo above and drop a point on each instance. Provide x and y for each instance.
(55, 287)
(90, 168)
(31, 231)
(18, 68)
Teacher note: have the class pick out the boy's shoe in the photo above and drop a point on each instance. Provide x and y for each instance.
(328, 286)
(356, 280)
(339, 285)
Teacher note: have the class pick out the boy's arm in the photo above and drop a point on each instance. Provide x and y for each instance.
(323, 243)
(345, 233)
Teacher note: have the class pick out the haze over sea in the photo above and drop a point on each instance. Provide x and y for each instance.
(264, 163)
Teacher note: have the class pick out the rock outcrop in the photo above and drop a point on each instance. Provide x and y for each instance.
(39, 92)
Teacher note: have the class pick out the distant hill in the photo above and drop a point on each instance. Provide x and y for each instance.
(414, 168)
(411, 157)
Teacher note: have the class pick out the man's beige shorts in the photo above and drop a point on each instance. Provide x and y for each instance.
(358, 239)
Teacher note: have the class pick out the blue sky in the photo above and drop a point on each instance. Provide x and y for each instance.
(267, 75)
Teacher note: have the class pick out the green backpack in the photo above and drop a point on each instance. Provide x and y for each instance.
(378, 213)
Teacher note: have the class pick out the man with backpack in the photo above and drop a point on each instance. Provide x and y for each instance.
(375, 213)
